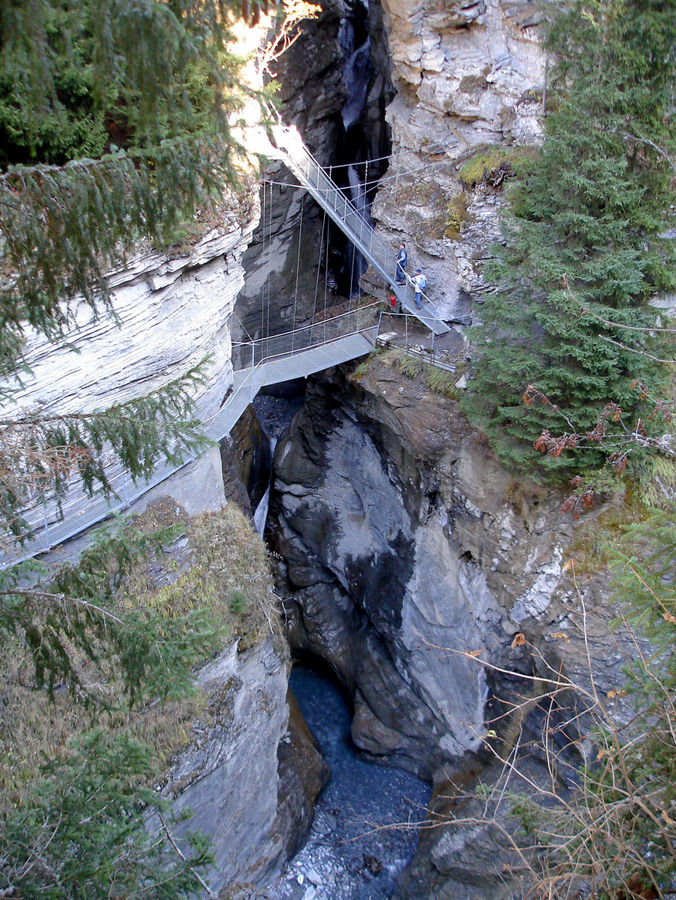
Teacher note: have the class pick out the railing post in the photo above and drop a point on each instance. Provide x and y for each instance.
(406, 322)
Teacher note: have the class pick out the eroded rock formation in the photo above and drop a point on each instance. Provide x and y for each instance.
(468, 75)
(424, 574)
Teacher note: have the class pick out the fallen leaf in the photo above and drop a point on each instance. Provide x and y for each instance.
(561, 635)
(568, 565)
(474, 653)
(519, 640)
(669, 617)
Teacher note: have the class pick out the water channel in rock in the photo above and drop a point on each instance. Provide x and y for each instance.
(364, 831)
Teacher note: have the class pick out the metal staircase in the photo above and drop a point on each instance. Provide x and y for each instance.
(288, 146)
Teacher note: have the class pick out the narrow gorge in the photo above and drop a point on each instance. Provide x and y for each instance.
(358, 540)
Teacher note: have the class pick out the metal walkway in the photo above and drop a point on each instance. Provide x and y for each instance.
(259, 363)
(288, 146)
(266, 361)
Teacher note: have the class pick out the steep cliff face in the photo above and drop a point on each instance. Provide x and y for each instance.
(394, 524)
(251, 773)
(469, 76)
(171, 311)
(424, 574)
(334, 86)
(241, 762)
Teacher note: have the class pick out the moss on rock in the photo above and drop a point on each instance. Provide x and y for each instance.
(218, 556)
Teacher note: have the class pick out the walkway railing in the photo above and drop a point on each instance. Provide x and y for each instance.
(348, 218)
(247, 354)
(406, 338)
(284, 357)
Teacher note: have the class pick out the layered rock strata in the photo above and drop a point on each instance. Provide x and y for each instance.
(171, 310)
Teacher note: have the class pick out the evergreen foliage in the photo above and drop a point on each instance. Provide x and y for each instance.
(586, 233)
(81, 833)
(39, 454)
(115, 121)
(114, 128)
(78, 616)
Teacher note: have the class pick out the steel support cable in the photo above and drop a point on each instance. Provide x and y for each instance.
(267, 267)
(326, 265)
(319, 266)
(295, 296)
(269, 264)
(385, 178)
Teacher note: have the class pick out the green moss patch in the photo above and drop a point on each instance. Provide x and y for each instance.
(218, 564)
(491, 164)
(457, 215)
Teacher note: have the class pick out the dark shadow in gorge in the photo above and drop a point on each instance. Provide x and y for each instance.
(363, 834)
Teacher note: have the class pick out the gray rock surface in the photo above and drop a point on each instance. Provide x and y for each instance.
(251, 771)
(424, 574)
(469, 75)
(172, 311)
(228, 774)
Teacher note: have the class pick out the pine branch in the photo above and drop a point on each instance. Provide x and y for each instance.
(63, 228)
(81, 830)
(41, 455)
(181, 855)
(659, 359)
(74, 618)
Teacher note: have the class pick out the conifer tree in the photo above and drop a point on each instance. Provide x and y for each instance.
(584, 246)
(114, 128)
(82, 832)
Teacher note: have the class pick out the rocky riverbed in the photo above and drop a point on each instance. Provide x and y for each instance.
(365, 827)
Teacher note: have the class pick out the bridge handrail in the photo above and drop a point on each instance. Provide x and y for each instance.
(379, 251)
(347, 203)
(352, 312)
(259, 348)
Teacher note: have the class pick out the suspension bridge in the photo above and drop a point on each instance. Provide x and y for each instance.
(266, 361)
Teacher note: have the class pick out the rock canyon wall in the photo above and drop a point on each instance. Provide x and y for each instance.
(433, 583)
(409, 560)
(469, 76)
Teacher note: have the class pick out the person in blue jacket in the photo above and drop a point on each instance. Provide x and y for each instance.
(402, 262)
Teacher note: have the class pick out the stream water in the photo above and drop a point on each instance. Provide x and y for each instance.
(364, 830)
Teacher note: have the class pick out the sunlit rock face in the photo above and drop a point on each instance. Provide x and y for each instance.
(170, 311)
(251, 772)
(469, 75)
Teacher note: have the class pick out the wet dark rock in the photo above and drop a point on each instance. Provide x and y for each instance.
(411, 559)
(303, 773)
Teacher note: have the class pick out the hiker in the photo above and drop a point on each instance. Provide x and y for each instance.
(402, 262)
(419, 285)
